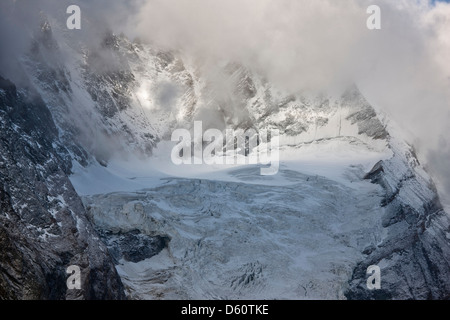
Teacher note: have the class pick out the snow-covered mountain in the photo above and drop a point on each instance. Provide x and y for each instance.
(349, 193)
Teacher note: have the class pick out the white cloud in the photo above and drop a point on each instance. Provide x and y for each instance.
(403, 68)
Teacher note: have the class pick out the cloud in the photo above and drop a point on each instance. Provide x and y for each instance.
(296, 43)
(403, 69)
(406, 73)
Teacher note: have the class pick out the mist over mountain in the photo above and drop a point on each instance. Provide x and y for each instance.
(86, 176)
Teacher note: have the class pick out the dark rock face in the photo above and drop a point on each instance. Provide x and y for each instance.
(90, 107)
(414, 258)
(364, 115)
(43, 224)
(133, 245)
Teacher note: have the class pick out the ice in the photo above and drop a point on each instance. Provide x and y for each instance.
(236, 234)
(279, 238)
